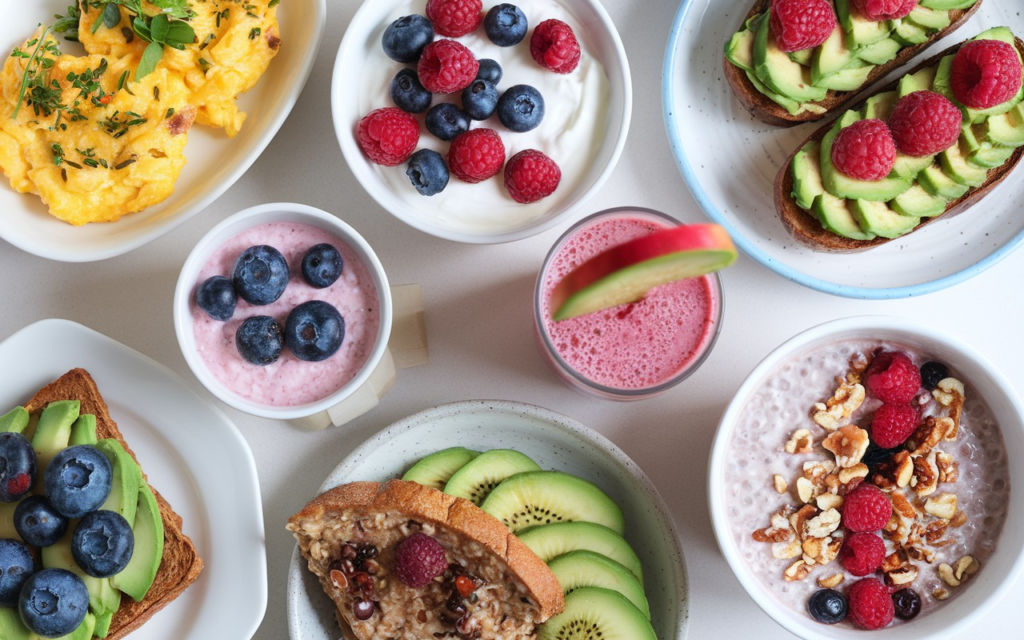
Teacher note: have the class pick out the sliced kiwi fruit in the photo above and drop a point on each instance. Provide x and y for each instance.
(543, 497)
(592, 613)
(480, 476)
(551, 541)
(436, 469)
(581, 569)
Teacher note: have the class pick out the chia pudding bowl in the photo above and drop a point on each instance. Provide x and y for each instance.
(796, 454)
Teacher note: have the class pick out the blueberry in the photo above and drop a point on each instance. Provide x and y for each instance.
(17, 466)
(446, 121)
(217, 297)
(490, 71)
(405, 38)
(102, 543)
(932, 373)
(408, 94)
(78, 480)
(259, 340)
(480, 99)
(314, 331)
(16, 565)
(38, 523)
(827, 606)
(506, 25)
(906, 603)
(53, 602)
(322, 266)
(428, 172)
(876, 455)
(521, 108)
(260, 275)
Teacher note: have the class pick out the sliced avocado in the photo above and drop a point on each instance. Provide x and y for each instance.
(941, 82)
(881, 52)
(14, 420)
(990, 156)
(879, 219)
(849, 79)
(918, 203)
(835, 216)
(861, 31)
(792, 106)
(136, 578)
(84, 430)
(907, 167)
(1006, 129)
(103, 597)
(880, 105)
(52, 435)
(7, 529)
(968, 139)
(955, 165)
(1003, 34)
(831, 57)
(802, 57)
(842, 186)
(947, 5)
(84, 631)
(103, 624)
(909, 33)
(920, 81)
(779, 73)
(11, 626)
(807, 175)
(930, 19)
(740, 50)
(937, 183)
(125, 480)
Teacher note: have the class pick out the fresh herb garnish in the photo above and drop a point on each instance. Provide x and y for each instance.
(118, 123)
(44, 97)
(58, 154)
(167, 28)
(273, 3)
(255, 33)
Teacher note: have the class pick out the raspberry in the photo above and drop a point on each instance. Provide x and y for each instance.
(476, 155)
(554, 46)
(388, 136)
(925, 123)
(882, 10)
(893, 424)
(985, 73)
(866, 509)
(531, 176)
(870, 604)
(454, 18)
(419, 559)
(802, 24)
(893, 378)
(447, 66)
(862, 553)
(864, 150)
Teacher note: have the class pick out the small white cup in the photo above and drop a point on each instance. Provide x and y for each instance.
(374, 380)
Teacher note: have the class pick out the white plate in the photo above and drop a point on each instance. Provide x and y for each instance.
(730, 161)
(215, 161)
(194, 456)
(554, 442)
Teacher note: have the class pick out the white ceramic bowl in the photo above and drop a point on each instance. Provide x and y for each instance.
(215, 161)
(954, 618)
(555, 442)
(351, 72)
(231, 227)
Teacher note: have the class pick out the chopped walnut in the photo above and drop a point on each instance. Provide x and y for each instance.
(781, 487)
(929, 434)
(800, 442)
(951, 393)
(966, 566)
(805, 490)
(895, 561)
(799, 519)
(849, 445)
(816, 470)
(926, 476)
(779, 531)
(786, 550)
(828, 501)
(904, 468)
(940, 594)
(796, 571)
(943, 506)
(947, 575)
(934, 531)
(859, 470)
(902, 505)
(832, 483)
(823, 524)
(847, 399)
(903, 575)
(858, 363)
(959, 520)
(921, 553)
(949, 470)
(832, 581)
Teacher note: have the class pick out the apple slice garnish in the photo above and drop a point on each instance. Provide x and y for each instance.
(625, 273)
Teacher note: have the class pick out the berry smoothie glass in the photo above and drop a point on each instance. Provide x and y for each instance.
(632, 351)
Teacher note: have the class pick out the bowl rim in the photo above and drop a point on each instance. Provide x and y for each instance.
(354, 157)
(779, 355)
(242, 221)
(749, 246)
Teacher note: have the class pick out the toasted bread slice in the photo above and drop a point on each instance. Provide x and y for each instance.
(768, 111)
(181, 563)
(807, 230)
(516, 591)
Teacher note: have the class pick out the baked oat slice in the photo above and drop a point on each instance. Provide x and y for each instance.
(493, 587)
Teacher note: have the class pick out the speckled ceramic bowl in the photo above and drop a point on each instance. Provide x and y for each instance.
(555, 442)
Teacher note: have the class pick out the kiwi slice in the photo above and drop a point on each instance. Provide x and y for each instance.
(554, 540)
(479, 477)
(592, 613)
(587, 569)
(436, 469)
(543, 497)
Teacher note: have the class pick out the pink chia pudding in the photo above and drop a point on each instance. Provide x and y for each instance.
(805, 442)
(289, 381)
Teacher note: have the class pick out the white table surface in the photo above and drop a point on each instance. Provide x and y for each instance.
(480, 326)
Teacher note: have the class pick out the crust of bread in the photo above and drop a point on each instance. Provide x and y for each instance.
(807, 230)
(461, 516)
(766, 110)
(181, 564)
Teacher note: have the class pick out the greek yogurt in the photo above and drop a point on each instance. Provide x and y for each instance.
(571, 134)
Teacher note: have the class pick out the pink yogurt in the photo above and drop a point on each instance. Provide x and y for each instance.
(289, 381)
(634, 350)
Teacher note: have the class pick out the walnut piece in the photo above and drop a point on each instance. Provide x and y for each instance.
(959, 520)
(926, 476)
(823, 524)
(831, 582)
(848, 444)
(904, 468)
(951, 393)
(947, 575)
(796, 571)
(966, 566)
(903, 575)
(800, 442)
(786, 550)
(902, 506)
(940, 594)
(781, 487)
(805, 490)
(929, 434)
(798, 519)
(943, 506)
(859, 470)
(949, 471)
(828, 501)
(779, 531)
(837, 409)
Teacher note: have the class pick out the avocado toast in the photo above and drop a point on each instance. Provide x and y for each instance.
(954, 181)
(789, 89)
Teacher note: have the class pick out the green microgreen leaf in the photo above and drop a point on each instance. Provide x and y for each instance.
(111, 16)
(150, 57)
(179, 34)
(159, 27)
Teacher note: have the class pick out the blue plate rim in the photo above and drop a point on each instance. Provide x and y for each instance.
(761, 257)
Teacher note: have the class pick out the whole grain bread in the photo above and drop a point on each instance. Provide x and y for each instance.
(770, 112)
(805, 227)
(181, 563)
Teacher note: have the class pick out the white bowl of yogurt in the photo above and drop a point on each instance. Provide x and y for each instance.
(315, 394)
(584, 128)
(778, 398)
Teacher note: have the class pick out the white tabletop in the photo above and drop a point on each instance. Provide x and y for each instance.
(480, 326)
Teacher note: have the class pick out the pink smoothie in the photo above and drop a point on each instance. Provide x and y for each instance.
(290, 381)
(635, 346)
